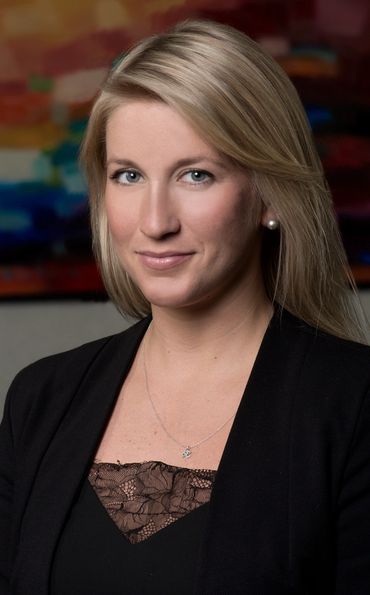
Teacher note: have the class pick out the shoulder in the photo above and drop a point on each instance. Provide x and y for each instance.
(333, 374)
(82, 355)
(328, 381)
(329, 371)
(321, 346)
(62, 373)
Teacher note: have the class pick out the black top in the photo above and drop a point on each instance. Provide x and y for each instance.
(290, 506)
(93, 556)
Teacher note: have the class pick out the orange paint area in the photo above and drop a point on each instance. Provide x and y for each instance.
(25, 108)
(51, 278)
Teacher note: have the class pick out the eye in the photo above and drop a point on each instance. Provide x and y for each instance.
(126, 176)
(197, 176)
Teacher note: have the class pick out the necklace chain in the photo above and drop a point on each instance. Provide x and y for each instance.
(187, 448)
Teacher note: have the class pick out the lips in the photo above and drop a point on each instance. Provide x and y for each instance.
(163, 260)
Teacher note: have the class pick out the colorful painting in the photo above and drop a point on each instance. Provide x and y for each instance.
(53, 57)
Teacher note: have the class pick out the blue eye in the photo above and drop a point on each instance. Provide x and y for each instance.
(126, 176)
(197, 176)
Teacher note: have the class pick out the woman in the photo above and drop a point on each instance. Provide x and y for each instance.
(227, 433)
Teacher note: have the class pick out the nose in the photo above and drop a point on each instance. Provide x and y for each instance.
(158, 217)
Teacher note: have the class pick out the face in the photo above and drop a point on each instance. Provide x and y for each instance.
(181, 217)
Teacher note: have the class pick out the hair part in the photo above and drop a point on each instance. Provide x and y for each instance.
(242, 103)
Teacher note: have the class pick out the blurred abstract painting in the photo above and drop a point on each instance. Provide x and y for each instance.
(55, 54)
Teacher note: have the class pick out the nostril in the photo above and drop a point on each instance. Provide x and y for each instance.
(159, 232)
(159, 224)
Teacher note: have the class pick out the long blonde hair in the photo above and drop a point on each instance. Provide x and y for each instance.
(242, 102)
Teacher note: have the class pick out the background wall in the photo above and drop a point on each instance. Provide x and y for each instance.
(53, 57)
(29, 331)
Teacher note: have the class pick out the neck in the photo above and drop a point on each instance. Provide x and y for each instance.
(211, 328)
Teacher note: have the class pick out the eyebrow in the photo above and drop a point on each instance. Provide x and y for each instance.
(179, 163)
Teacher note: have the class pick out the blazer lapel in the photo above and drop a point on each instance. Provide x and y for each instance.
(68, 458)
(246, 545)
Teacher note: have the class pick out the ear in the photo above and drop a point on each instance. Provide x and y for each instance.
(269, 218)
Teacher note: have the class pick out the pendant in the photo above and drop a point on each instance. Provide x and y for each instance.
(186, 453)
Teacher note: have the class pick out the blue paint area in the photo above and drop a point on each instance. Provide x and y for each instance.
(48, 217)
(364, 257)
(77, 127)
(66, 152)
(314, 51)
(31, 195)
(72, 179)
(14, 220)
(319, 116)
(35, 218)
(42, 167)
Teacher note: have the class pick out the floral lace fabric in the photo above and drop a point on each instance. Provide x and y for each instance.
(142, 498)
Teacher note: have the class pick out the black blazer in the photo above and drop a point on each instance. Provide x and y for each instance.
(290, 507)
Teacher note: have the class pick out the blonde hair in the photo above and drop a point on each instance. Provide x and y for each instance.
(243, 103)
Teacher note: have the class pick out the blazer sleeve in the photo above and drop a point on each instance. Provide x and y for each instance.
(353, 513)
(7, 471)
(26, 400)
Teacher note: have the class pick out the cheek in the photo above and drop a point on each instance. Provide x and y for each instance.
(121, 219)
(233, 220)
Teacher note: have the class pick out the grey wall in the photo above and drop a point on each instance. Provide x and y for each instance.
(29, 331)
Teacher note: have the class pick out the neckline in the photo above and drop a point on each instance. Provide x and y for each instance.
(118, 465)
(279, 315)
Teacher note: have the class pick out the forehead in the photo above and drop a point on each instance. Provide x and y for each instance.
(143, 127)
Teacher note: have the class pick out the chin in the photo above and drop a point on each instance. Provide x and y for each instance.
(167, 301)
(167, 296)
(178, 299)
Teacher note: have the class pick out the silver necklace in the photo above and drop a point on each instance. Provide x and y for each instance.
(187, 449)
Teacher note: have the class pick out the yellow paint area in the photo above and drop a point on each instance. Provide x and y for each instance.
(40, 136)
(61, 20)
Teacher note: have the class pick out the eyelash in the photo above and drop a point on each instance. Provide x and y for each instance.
(116, 175)
(209, 178)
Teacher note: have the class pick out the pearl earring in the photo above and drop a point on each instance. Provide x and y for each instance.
(272, 224)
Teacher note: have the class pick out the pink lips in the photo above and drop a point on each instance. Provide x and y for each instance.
(162, 261)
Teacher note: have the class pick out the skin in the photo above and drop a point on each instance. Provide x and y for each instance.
(199, 214)
(183, 223)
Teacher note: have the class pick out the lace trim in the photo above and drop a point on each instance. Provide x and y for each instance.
(143, 498)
